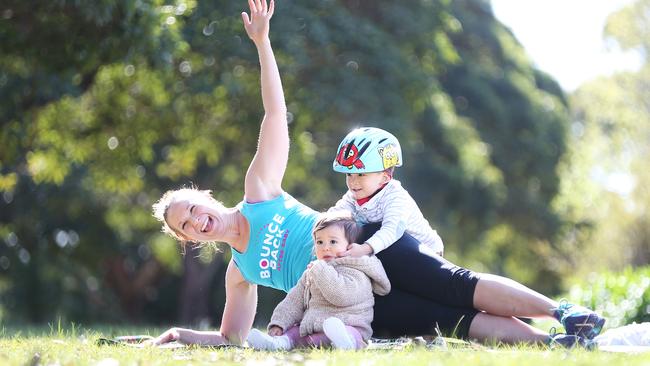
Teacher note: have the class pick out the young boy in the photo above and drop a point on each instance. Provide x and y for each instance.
(368, 157)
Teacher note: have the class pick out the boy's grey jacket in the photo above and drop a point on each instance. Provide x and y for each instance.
(398, 213)
(342, 288)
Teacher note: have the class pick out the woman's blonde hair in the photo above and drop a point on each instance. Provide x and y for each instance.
(345, 221)
(161, 207)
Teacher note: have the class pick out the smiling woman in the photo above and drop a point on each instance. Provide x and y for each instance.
(186, 212)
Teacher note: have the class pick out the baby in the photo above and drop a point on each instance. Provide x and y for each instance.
(332, 304)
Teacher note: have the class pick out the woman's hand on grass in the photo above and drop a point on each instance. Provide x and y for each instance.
(170, 335)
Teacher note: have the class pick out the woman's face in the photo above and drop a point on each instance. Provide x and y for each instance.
(329, 242)
(195, 218)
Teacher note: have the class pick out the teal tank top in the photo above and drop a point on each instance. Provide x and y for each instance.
(280, 244)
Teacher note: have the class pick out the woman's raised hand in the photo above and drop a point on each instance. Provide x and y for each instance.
(257, 25)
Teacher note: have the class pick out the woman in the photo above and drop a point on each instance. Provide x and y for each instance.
(269, 234)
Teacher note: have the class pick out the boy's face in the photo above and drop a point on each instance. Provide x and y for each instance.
(363, 185)
(329, 242)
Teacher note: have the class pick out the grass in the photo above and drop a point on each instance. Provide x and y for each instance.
(76, 346)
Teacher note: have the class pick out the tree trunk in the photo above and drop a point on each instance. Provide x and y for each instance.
(194, 301)
(131, 288)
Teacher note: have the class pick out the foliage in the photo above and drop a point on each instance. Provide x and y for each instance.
(137, 97)
(628, 27)
(58, 212)
(605, 179)
(621, 297)
(519, 112)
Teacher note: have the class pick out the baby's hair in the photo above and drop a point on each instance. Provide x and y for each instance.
(343, 220)
(161, 208)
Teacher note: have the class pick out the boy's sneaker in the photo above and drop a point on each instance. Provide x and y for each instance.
(569, 341)
(260, 340)
(578, 320)
(335, 330)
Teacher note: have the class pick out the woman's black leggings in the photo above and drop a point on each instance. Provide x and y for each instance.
(427, 292)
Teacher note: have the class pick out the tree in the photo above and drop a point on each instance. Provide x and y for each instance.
(514, 120)
(171, 97)
(605, 192)
(55, 223)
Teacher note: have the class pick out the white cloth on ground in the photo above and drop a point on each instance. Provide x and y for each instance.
(632, 338)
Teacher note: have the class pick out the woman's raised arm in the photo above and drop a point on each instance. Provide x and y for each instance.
(264, 175)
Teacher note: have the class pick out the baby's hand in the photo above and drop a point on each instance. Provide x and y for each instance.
(357, 250)
(275, 331)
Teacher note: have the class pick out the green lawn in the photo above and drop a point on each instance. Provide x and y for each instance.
(53, 346)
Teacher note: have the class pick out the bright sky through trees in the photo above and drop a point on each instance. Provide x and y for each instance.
(564, 38)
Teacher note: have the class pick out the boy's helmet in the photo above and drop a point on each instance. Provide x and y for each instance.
(367, 150)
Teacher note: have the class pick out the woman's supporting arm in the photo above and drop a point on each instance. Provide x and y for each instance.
(264, 176)
(241, 304)
(237, 320)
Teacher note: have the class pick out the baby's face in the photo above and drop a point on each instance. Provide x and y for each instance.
(329, 242)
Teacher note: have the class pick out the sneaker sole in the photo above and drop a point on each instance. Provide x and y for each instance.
(590, 328)
(596, 329)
